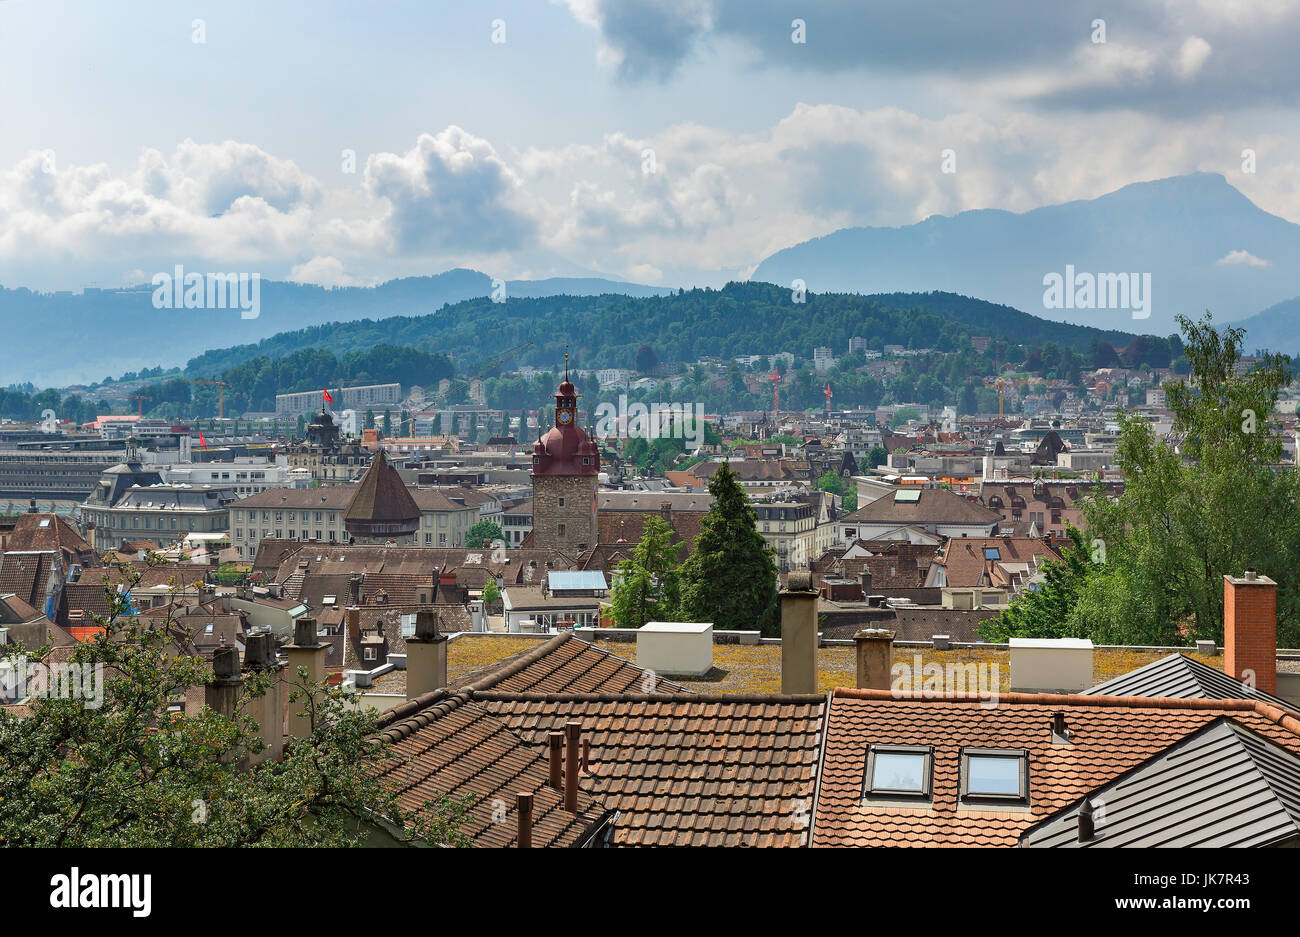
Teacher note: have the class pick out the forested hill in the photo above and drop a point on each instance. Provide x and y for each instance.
(739, 319)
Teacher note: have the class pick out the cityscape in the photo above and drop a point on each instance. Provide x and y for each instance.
(603, 424)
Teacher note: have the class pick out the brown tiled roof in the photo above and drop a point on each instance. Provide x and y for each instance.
(964, 563)
(58, 535)
(446, 743)
(25, 575)
(700, 771)
(935, 506)
(85, 597)
(565, 664)
(1108, 735)
(382, 495)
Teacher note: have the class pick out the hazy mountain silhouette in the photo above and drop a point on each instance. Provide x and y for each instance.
(1205, 245)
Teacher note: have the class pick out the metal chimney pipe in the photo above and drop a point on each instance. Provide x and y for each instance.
(557, 758)
(572, 733)
(1086, 826)
(524, 806)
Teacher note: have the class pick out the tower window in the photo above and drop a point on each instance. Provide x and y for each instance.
(561, 502)
(561, 530)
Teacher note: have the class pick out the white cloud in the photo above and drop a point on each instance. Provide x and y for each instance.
(324, 271)
(1242, 258)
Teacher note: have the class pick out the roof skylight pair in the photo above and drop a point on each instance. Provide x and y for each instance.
(905, 773)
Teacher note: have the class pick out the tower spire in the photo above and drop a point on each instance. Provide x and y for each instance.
(566, 362)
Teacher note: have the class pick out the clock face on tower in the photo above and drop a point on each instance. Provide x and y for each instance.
(564, 416)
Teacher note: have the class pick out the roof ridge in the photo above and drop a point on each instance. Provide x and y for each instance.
(1261, 708)
(502, 669)
(503, 696)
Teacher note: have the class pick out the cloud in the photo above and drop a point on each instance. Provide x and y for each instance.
(451, 190)
(324, 271)
(1194, 56)
(1242, 258)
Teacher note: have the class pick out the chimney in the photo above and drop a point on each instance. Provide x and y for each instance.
(222, 693)
(1250, 630)
(524, 807)
(572, 733)
(556, 741)
(874, 652)
(305, 651)
(865, 576)
(1086, 826)
(426, 656)
(354, 589)
(666, 512)
(267, 709)
(799, 634)
(352, 620)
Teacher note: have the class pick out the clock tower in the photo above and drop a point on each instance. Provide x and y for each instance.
(566, 474)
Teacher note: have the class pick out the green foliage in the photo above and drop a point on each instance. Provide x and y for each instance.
(1045, 612)
(484, 533)
(1185, 519)
(491, 594)
(730, 579)
(129, 772)
(877, 456)
(648, 587)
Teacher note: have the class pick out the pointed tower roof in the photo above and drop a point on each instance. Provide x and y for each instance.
(382, 505)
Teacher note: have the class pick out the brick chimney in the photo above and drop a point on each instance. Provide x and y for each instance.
(1250, 630)
(267, 709)
(426, 656)
(799, 634)
(874, 652)
(222, 693)
(305, 651)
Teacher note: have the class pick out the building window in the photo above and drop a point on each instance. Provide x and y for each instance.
(901, 771)
(561, 530)
(561, 502)
(369, 653)
(992, 775)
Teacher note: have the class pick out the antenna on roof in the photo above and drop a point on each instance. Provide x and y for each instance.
(566, 361)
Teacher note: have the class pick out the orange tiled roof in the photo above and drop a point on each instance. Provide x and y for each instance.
(1108, 736)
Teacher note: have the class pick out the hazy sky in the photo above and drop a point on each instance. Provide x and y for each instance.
(662, 141)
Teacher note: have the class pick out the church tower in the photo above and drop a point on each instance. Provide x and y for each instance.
(566, 469)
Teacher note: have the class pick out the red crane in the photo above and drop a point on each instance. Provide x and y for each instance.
(827, 393)
(776, 391)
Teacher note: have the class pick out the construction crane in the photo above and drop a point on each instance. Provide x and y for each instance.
(138, 398)
(1001, 382)
(776, 392)
(827, 394)
(221, 395)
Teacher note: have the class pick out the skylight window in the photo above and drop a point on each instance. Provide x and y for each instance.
(992, 553)
(898, 771)
(1000, 775)
(909, 496)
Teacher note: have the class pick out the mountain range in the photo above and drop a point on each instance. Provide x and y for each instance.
(1203, 244)
(1187, 244)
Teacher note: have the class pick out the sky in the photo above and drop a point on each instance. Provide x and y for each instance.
(672, 142)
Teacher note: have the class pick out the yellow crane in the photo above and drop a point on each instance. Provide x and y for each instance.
(221, 395)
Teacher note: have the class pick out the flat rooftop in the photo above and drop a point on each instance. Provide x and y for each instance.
(748, 669)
